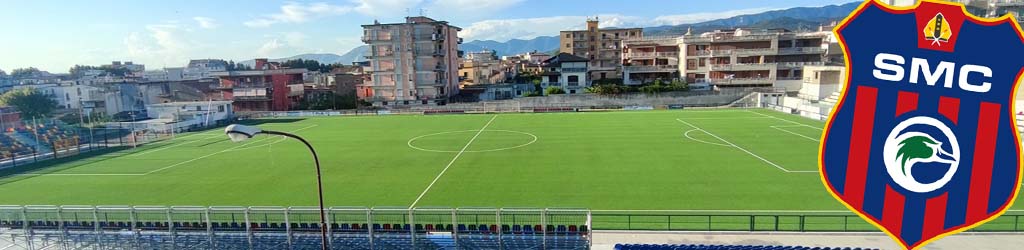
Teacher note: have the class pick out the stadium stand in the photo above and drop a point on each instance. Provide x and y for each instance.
(10, 147)
(35, 227)
(725, 247)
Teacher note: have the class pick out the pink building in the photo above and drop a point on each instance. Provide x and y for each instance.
(411, 63)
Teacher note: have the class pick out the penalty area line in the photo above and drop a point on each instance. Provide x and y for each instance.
(745, 150)
(163, 168)
(453, 161)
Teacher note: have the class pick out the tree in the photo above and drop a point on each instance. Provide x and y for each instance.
(554, 91)
(24, 72)
(232, 66)
(2, 73)
(30, 102)
(311, 65)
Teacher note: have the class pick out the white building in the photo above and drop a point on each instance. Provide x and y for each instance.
(183, 116)
(566, 71)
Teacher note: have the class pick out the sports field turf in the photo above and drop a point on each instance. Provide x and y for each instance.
(748, 160)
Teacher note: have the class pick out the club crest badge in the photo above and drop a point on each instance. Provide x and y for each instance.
(924, 141)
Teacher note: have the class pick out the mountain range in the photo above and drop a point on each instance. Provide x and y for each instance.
(797, 19)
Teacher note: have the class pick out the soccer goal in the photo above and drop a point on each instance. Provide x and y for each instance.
(501, 107)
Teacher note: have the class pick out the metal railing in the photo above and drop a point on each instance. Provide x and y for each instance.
(765, 222)
(154, 227)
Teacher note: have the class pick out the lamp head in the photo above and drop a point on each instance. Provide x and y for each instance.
(239, 133)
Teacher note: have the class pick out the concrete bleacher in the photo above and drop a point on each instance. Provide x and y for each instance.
(724, 247)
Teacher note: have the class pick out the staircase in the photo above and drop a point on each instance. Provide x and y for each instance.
(831, 100)
(442, 241)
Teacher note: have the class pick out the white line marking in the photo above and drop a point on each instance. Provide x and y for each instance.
(725, 211)
(687, 135)
(726, 118)
(167, 167)
(745, 150)
(780, 128)
(452, 161)
(175, 145)
(222, 151)
(785, 120)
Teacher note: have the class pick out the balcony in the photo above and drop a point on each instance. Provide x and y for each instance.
(1009, 3)
(574, 70)
(381, 55)
(798, 64)
(376, 39)
(639, 55)
(747, 52)
(742, 81)
(801, 50)
(728, 38)
(251, 98)
(651, 68)
(742, 67)
(429, 52)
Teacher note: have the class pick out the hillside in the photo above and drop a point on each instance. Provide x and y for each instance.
(799, 18)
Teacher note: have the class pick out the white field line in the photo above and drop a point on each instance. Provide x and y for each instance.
(167, 167)
(727, 118)
(687, 135)
(722, 211)
(452, 161)
(176, 145)
(745, 150)
(781, 128)
(222, 151)
(785, 120)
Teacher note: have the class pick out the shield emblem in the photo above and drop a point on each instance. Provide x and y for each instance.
(924, 142)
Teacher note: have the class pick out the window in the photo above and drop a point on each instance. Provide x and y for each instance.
(568, 45)
(220, 108)
(574, 79)
(568, 35)
(572, 91)
(604, 75)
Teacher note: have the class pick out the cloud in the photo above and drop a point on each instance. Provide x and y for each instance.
(528, 28)
(270, 48)
(701, 17)
(165, 44)
(385, 8)
(468, 9)
(206, 22)
(299, 13)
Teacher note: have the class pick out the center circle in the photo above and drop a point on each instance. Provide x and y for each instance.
(474, 133)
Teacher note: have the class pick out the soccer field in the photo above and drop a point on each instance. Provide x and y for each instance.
(722, 160)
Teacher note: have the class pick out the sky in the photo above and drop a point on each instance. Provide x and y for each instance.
(54, 35)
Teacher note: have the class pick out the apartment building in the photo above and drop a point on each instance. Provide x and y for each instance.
(268, 87)
(482, 68)
(603, 47)
(744, 58)
(567, 72)
(411, 63)
(647, 59)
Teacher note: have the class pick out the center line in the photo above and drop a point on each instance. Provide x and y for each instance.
(453, 161)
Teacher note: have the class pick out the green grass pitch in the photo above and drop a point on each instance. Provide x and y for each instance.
(723, 160)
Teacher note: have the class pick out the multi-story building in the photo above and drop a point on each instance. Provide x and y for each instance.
(128, 65)
(415, 62)
(481, 68)
(603, 47)
(268, 87)
(567, 72)
(203, 68)
(742, 58)
(650, 58)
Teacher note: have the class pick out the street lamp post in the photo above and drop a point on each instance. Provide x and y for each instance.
(239, 133)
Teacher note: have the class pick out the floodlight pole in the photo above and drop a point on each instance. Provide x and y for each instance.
(319, 182)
